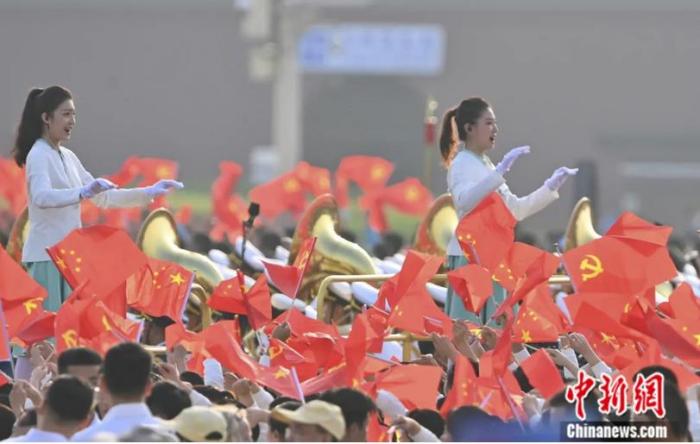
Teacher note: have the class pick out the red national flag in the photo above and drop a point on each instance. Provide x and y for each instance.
(81, 258)
(539, 319)
(594, 318)
(315, 180)
(230, 296)
(127, 172)
(257, 302)
(282, 194)
(493, 363)
(409, 196)
(15, 283)
(12, 186)
(463, 391)
(684, 304)
(415, 385)
(680, 337)
(370, 173)
(486, 233)
(415, 310)
(161, 288)
(153, 169)
(222, 344)
(288, 278)
(5, 353)
(227, 297)
(279, 379)
(228, 207)
(473, 285)
(332, 378)
(543, 374)
(628, 264)
(300, 324)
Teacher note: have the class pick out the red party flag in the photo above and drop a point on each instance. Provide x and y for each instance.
(5, 354)
(543, 374)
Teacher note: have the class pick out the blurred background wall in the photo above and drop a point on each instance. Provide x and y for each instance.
(611, 85)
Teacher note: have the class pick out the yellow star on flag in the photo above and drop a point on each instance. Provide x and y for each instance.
(176, 278)
(281, 373)
(526, 336)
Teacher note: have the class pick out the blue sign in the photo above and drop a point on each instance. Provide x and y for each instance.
(373, 49)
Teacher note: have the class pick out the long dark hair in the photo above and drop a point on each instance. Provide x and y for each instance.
(467, 112)
(39, 101)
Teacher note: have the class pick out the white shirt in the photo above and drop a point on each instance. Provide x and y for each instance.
(54, 181)
(470, 178)
(119, 420)
(36, 435)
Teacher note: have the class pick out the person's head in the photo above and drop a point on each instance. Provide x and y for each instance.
(48, 113)
(7, 422)
(472, 122)
(126, 373)
(676, 418)
(192, 377)
(430, 419)
(666, 372)
(82, 362)
(315, 421)
(216, 396)
(167, 400)
(200, 424)
(278, 429)
(559, 410)
(148, 434)
(25, 422)
(470, 423)
(66, 406)
(356, 407)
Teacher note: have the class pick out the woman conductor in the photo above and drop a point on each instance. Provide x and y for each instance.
(468, 134)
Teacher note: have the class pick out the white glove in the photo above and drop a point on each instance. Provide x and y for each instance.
(559, 177)
(390, 405)
(96, 187)
(163, 187)
(509, 159)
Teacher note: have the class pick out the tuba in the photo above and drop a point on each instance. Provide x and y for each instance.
(332, 253)
(580, 229)
(438, 227)
(158, 238)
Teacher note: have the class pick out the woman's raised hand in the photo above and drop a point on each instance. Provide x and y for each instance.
(163, 187)
(509, 159)
(96, 187)
(559, 177)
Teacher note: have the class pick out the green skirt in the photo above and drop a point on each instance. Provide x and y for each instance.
(48, 276)
(454, 306)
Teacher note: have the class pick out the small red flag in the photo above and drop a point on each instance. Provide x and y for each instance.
(161, 288)
(288, 278)
(285, 193)
(543, 374)
(370, 173)
(473, 285)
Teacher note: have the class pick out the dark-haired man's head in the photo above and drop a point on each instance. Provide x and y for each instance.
(167, 400)
(192, 377)
(470, 423)
(278, 429)
(126, 373)
(356, 407)
(559, 410)
(81, 362)
(7, 422)
(430, 419)
(66, 406)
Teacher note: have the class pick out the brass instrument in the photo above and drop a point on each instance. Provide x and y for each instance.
(580, 229)
(332, 254)
(437, 228)
(158, 238)
(18, 234)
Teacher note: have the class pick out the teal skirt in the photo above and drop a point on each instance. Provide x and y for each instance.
(454, 306)
(48, 276)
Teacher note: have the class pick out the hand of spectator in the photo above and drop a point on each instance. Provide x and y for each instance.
(408, 425)
(580, 345)
(488, 338)
(18, 397)
(444, 349)
(178, 357)
(169, 372)
(242, 390)
(256, 416)
(530, 405)
(229, 381)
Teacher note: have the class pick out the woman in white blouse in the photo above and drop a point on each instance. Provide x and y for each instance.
(468, 134)
(57, 182)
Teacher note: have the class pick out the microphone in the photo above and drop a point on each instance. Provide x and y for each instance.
(253, 211)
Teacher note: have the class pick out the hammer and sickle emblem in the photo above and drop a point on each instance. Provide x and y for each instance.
(70, 337)
(592, 265)
(31, 305)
